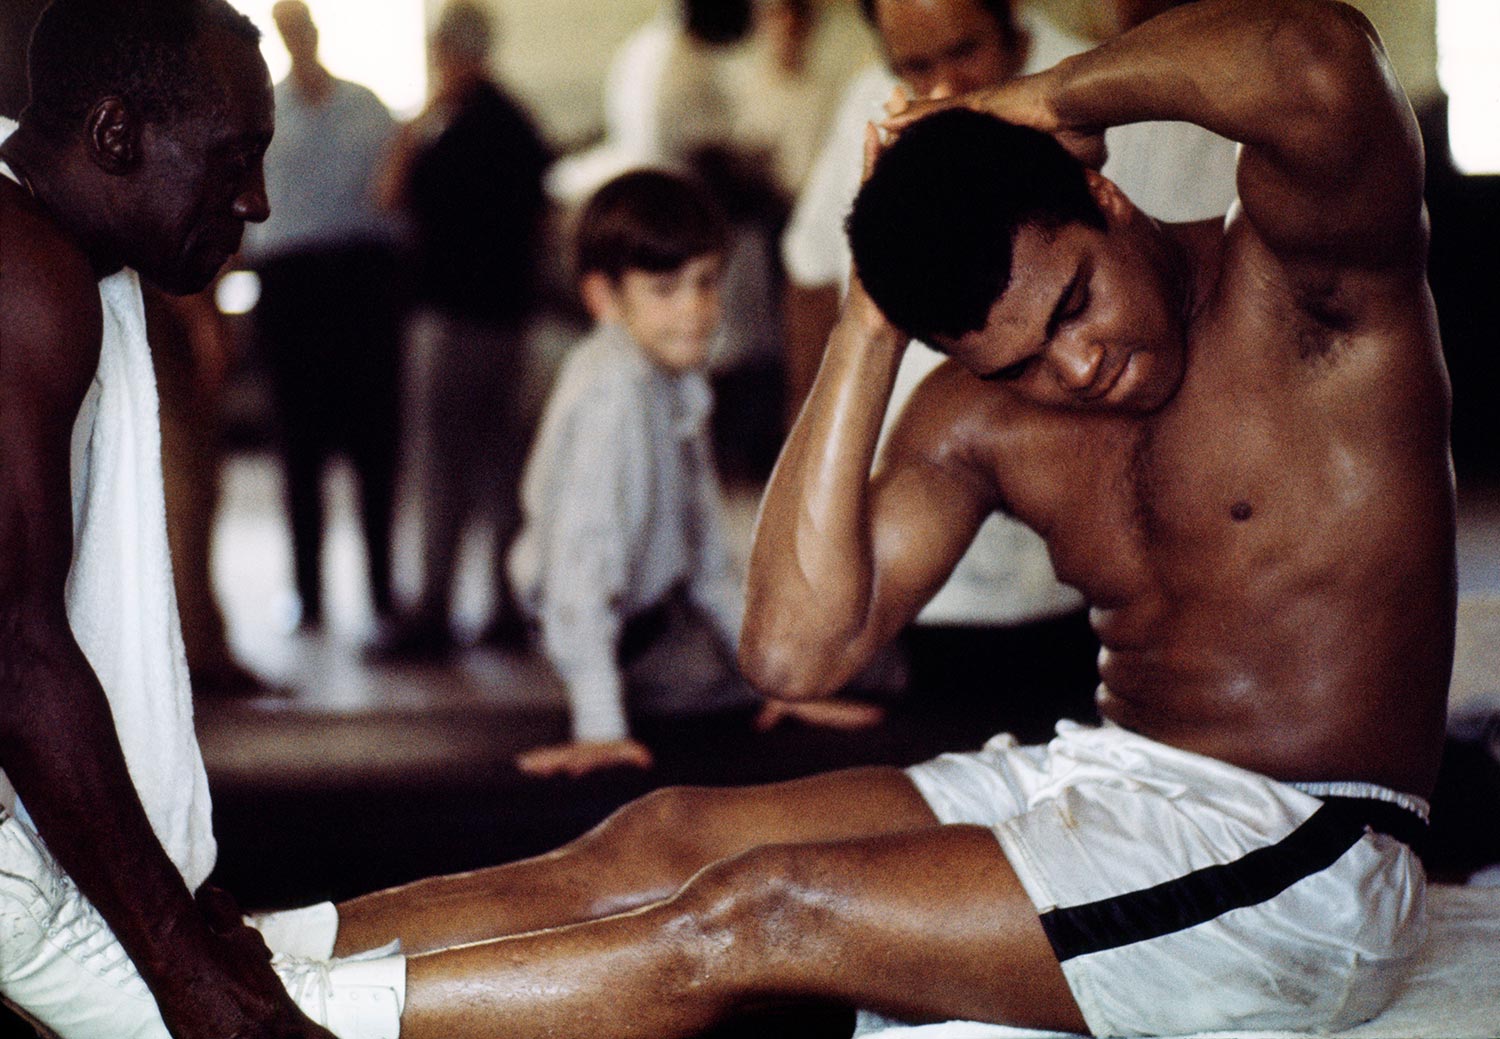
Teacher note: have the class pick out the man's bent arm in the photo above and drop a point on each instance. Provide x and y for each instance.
(841, 563)
(57, 738)
(1331, 171)
(1332, 166)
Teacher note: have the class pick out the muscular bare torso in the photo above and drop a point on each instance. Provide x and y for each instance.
(1269, 557)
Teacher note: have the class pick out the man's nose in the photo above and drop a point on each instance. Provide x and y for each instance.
(1077, 363)
(251, 204)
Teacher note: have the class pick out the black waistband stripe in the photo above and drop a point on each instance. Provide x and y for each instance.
(1207, 893)
(1383, 817)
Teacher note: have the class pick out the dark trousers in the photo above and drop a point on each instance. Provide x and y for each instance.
(675, 664)
(476, 390)
(329, 324)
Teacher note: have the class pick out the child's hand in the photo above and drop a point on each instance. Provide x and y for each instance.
(578, 758)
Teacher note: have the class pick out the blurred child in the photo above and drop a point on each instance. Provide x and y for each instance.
(622, 562)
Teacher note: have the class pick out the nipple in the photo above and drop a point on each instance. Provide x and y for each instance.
(1240, 511)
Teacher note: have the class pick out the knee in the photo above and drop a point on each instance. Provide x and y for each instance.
(673, 826)
(760, 917)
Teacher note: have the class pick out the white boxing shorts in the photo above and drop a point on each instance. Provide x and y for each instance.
(1183, 894)
(63, 967)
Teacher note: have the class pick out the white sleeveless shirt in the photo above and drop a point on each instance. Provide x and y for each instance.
(120, 600)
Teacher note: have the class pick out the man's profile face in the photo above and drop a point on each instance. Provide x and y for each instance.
(201, 177)
(945, 47)
(1090, 321)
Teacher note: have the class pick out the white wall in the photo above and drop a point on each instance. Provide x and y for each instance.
(554, 52)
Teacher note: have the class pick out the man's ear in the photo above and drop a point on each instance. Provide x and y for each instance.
(1107, 194)
(599, 297)
(113, 136)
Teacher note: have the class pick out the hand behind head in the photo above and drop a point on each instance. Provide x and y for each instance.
(1020, 101)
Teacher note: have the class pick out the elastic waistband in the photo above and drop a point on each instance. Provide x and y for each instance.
(1366, 791)
(1387, 811)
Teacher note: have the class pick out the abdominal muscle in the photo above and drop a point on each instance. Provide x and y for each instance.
(1317, 692)
(1271, 576)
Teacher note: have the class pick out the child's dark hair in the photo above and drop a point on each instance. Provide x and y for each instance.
(932, 229)
(649, 220)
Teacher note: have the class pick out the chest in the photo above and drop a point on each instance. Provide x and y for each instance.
(1221, 465)
(1242, 476)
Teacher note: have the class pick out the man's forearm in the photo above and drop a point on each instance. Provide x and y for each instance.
(811, 567)
(1265, 74)
(810, 315)
(61, 754)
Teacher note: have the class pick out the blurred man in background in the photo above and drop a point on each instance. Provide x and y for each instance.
(468, 174)
(329, 319)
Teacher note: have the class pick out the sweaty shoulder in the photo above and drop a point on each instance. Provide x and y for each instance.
(50, 315)
(959, 423)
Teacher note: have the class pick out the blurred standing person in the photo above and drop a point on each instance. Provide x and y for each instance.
(328, 317)
(802, 56)
(468, 173)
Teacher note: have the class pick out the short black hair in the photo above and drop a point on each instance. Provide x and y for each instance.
(649, 220)
(717, 23)
(136, 50)
(932, 229)
(1000, 10)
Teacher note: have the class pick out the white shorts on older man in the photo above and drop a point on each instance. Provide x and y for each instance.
(61, 965)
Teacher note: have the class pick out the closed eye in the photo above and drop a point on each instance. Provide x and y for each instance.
(964, 48)
(1073, 300)
(1011, 372)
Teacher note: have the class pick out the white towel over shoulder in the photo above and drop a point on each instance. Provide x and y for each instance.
(120, 600)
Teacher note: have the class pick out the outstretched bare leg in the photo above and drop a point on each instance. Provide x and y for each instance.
(641, 855)
(923, 924)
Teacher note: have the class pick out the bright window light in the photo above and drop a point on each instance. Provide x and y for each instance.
(380, 43)
(1468, 45)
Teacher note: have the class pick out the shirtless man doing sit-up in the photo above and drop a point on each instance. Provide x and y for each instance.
(1232, 436)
